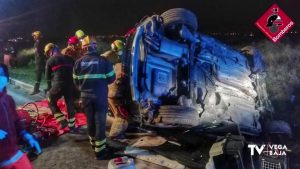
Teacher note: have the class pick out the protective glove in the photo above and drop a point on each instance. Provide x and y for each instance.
(31, 141)
(2, 134)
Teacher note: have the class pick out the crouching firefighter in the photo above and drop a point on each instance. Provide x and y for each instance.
(92, 74)
(11, 128)
(59, 69)
(116, 91)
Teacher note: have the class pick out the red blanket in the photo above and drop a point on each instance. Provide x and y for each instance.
(39, 114)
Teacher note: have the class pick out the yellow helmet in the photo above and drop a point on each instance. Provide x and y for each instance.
(79, 34)
(117, 45)
(37, 34)
(49, 47)
(88, 41)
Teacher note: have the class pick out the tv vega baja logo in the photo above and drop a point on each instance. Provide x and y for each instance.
(269, 149)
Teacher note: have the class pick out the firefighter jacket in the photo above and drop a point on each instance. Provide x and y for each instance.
(11, 123)
(59, 70)
(92, 74)
(112, 57)
(71, 52)
(40, 58)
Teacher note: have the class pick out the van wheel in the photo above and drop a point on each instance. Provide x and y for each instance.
(180, 16)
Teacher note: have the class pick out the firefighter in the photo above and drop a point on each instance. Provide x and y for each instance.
(116, 90)
(92, 74)
(115, 54)
(40, 60)
(80, 35)
(59, 70)
(10, 129)
(73, 48)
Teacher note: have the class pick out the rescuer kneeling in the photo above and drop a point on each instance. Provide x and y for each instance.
(116, 99)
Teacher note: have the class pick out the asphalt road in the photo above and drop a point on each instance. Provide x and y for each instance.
(20, 96)
(67, 151)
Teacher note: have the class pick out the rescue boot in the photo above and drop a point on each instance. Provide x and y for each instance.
(63, 124)
(60, 117)
(106, 154)
(71, 124)
(35, 89)
(103, 155)
(101, 151)
(92, 142)
(73, 129)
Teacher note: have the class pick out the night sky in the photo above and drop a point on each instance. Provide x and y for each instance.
(61, 18)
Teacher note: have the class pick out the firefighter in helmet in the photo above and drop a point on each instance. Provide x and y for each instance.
(73, 48)
(40, 60)
(80, 35)
(59, 69)
(116, 90)
(74, 51)
(114, 55)
(92, 74)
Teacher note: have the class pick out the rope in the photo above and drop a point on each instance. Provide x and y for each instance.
(37, 117)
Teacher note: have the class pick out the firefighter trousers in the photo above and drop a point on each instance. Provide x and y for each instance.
(120, 122)
(96, 111)
(55, 93)
(39, 71)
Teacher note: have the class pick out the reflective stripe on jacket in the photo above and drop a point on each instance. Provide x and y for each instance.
(92, 74)
(95, 76)
(40, 58)
(59, 70)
